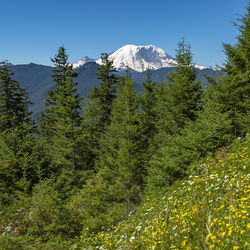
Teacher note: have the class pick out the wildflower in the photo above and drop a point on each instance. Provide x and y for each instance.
(213, 238)
(209, 235)
(230, 232)
(236, 247)
(223, 234)
(183, 243)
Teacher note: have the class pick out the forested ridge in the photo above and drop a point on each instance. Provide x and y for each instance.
(165, 169)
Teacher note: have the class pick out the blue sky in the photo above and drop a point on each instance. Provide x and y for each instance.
(32, 30)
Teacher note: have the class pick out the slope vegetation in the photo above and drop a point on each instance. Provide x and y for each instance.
(205, 211)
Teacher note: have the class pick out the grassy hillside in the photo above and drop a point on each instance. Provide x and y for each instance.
(205, 211)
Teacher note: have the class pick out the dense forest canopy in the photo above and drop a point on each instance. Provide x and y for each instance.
(92, 165)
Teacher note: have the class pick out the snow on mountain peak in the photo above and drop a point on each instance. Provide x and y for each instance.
(140, 58)
(81, 62)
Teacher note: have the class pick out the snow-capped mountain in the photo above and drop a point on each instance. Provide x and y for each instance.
(138, 58)
(83, 61)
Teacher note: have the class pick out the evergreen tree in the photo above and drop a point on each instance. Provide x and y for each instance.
(105, 93)
(60, 121)
(17, 133)
(122, 147)
(63, 103)
(148, 105)
(14, 102)
(110, 194)
(99, 103)
(182, 94)
(97, 110)
(178, 103)
(208, 133)
(231, 93)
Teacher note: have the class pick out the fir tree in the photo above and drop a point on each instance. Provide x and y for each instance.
(14, 103)
(122, 147)
(97, 110)
(17, 133)
(109, 195)
(182, 94)
(63, 103)
(178, 103)
(231, 93)
(105, 93)
(148, 105)
(60, 121)
(99, 104)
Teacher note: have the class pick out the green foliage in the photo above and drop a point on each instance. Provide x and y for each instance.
(208, 133)
(97, 110)
(178, 104)
(49, 218)
(231, 93)
(122, 153)
(63, 103)
(14, 103)
(182, 94)
(60, 123)
(23, 164)
(94, 207)
(105, 93)
(148, 104)
(204, 211)
(117, 176)
(111, 194)
(17, 164)
(7, 175)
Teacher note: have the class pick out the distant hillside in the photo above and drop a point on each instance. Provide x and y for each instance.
(37, 79)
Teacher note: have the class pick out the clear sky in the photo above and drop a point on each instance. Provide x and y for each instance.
(32, 30)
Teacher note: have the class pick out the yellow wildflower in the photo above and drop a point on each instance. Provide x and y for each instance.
(236, 247)
(183, 243)
(223, 234)
(230, 232)
(209, 235)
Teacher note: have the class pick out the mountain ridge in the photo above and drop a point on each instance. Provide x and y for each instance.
(37, 80)
(138, 58)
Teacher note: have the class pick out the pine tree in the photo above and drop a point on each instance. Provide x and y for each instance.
(18, 134)
(178, 103)
(14, 103)
(99, 104)
(122, 148)
(231, 93)
(110, 194)
(106, 90)
(182, 94)
(63, 103)
(60, 121)
(97, 110)
(148, 105)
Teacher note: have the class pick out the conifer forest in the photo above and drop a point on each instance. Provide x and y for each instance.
(167, 168)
